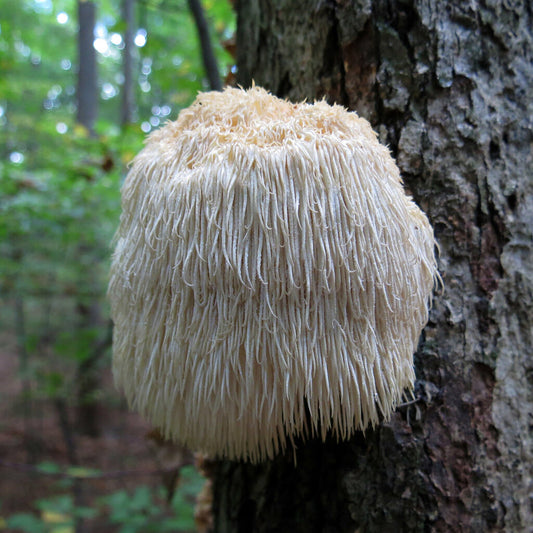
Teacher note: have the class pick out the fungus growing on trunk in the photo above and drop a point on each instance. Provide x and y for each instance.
(271, 278)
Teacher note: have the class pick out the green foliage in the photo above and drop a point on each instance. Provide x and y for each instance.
(56, 225)
(26, 522)
(60, 201)
(141, 510)
(133, 512)
(59, 188)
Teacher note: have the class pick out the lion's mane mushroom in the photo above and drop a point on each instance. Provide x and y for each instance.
(271, 278)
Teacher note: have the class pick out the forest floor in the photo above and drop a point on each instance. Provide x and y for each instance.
(124, 454)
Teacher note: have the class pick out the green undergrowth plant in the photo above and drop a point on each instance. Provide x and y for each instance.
(140, 510)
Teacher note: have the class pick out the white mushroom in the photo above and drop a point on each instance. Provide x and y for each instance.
(271, 278)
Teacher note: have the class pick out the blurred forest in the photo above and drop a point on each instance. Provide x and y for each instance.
(81, 84)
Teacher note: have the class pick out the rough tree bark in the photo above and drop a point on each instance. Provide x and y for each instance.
(446, 85)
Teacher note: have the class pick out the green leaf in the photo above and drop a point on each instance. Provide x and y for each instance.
(61, 503)
(25, 522)
(81, 472)
(48, 467)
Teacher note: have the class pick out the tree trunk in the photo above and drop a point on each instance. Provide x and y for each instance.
(87, 95)
(87, 378)
(446, 85)
(127, 104)
(208, 54)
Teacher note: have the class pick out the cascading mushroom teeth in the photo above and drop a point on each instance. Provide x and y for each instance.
(271, 277)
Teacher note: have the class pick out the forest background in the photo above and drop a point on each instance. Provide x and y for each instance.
(71, 456)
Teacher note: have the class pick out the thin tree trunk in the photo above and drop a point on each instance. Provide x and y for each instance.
(87, 76)
(126, 115)
(208, 55)
(87, 378)
(88, 409)
(24, 371)
(447, 86)
(72, 456)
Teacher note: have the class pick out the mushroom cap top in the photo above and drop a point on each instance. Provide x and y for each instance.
(270, 279)
(256, 118)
